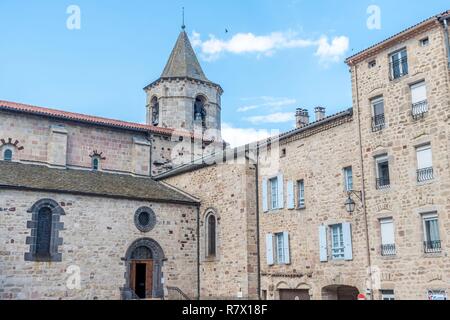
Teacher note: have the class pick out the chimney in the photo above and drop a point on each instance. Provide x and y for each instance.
(301, 118)
(320, 113)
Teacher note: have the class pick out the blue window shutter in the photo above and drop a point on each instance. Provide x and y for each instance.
(280, 191)
(348, 249)
(265, 202)
(290, 191)
(287, 254)
(323, 244)
(269, 249)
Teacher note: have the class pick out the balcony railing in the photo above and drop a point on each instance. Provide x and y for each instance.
(425, 174)
(399, 68)
(383, 183)
(388, 250)
(432, 246)
(378, 123)
(419, 109)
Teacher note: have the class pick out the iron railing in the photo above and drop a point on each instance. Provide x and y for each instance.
(388, 250)
(383, 183)
(419, 109)
(432, 246)
(399, 68)
(425, 174)
(378, 123)
(175, 293)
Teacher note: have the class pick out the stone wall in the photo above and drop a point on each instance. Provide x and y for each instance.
(62, 143)
(96, 235)
(410, 272)
(229, 191)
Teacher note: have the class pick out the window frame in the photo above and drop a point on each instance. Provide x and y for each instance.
(209, 255)
(337, 252)
(398, 54)
(346, 178)
(427, 217)
(10, 151)
(380, 160)
(301, 202)
(273, 193)
(387, 295)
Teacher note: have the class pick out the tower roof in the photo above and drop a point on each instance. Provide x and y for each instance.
(183, 62)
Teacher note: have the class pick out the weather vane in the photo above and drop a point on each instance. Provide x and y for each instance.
(183, 25)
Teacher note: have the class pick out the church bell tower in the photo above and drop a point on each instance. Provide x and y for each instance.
(183, 98)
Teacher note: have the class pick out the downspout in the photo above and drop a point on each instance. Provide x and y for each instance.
(258, 246)
(447, 40)
(198, 251)
(363, 191)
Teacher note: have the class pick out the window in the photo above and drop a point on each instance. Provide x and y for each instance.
(378, 119)
(419, 99)
(337, 242)
(211, 221)
(432, 239)
(45, 226)
(155, 111)
(398, 64)
(340, 238)
(437, 295)
(382, 171)
(387, 295)
(145, 219)
(200, 111)
(277, 248)
(301, 194)
(273, 193)
(95, 163)
(424, 42)
(283, 153)
(348, 178)
(387, 237)
(7, 155)
(424, 163)
(372, 64)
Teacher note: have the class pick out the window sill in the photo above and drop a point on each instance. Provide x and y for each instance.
(210, 259)
(432, 255)
(424, 183)
(300, 208)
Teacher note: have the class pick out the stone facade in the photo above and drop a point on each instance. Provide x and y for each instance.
(96, 235)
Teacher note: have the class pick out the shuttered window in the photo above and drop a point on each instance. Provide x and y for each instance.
(418, 92)
(337, 242)
(7, 155)
(301, 194)
(424, 157)
(273, 193)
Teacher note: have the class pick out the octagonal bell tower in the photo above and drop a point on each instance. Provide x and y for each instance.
(183, 97)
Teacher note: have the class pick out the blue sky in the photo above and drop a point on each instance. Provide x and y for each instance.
(277, 55)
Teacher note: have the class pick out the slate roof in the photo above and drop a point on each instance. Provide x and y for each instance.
(91, 183)
(183, 62)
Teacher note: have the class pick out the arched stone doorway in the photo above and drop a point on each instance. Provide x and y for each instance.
(339, 292)
(144, 260)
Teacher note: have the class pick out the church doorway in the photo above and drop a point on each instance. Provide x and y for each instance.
(340, 292)
(144, 270)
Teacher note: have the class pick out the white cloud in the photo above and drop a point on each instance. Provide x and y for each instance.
(269, 102)
(279, 117)
(267, 45)
(237, 137)
(334, 51)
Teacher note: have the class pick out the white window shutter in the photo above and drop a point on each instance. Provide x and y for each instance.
(287, 254)
(269, 249)
(280, 191)
(348, 248)
(265, 201)
(424, 158)
(419, 92)
(387, 232)
(323, 244)
(290, 196)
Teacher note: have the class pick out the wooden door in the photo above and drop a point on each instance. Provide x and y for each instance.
(148, 276)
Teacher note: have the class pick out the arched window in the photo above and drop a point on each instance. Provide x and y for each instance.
(200, 110)
(155, 111)
(45, 226)
(211, 235)
(7, 155)
(95, 163)
(44, 232)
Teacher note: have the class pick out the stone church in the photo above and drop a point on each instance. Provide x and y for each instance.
(354, 204)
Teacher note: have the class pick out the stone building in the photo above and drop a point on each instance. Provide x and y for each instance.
(348, 204)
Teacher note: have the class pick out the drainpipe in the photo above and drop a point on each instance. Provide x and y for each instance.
(447, 41)
(258, 246)
(198, 251)
(363, 191)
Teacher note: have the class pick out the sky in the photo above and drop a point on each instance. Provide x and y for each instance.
(269, 56)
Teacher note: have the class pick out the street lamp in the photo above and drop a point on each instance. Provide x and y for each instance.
(350, 204)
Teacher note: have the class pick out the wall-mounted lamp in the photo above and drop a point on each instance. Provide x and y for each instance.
(350, 204)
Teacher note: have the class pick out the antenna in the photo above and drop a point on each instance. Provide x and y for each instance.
(183, 26)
